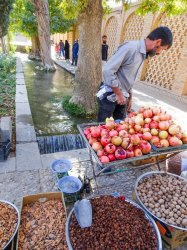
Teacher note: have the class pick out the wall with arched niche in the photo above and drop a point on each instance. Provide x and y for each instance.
(166, 69)
(132, 28)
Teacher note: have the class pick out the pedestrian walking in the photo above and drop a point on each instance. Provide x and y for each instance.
(57, 50)
(75, 51)
(119, 73)
(61, 44)
(66, 49)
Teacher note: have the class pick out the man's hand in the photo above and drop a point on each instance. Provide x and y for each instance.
(121, 100)
(129, 104)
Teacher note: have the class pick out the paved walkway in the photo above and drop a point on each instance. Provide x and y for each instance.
(30, 172)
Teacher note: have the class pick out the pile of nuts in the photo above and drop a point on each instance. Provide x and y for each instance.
(8, 223)
(116, 224)
(43, 226)
(166, 197)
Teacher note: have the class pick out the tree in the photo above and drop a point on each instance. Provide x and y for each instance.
(23, 20)
(89, 20)
(5, 9)
(88, 74)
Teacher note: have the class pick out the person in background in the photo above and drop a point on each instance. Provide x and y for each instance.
(57, 50)
(119, 73)
(75, 51)
(66, 49)
(104, 49)
(61, 44)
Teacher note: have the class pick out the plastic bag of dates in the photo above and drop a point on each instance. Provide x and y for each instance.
(8, 223)
(117, 224)
(42, 226)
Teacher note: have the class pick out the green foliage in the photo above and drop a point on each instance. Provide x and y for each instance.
(23, 18)
(7, 85)
(72, 8)
(170, 7)
(73, 109)
(5, 9)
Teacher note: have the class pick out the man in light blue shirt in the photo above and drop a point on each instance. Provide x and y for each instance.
(119, 73)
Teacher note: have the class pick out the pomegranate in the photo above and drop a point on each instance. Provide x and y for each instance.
(130, 153)
(156, 118)
(123, 133)
(141, 110)
(148, 113)
(101, 152)
(97, 146)
(146, 130)
(147, 136)
(87, 131)
(137, 128)
(137, 152)
(173, 129)
(116, 140)
(105, 140)
(184, 139)
(154, 131)
(111, 157)
(163, 134)
(96, 132)
(164, 117)
(92, 140)
(147, 120)
(139, 121)
(125, 143)
(174, 141)
(156, 111)
(131, 131)
(110, 124)
(88, 136)
(153, 124)
(163, 125)
(104, 132)
(164, 143)
(120, 127)
(110, 148)
(104, 159)
(145, 147)
(155, 140)
(120, 154)
(113, 133)
(140, 135)
(179, 135)
(135, 139)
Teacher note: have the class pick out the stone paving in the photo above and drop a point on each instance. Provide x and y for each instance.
(30, 172)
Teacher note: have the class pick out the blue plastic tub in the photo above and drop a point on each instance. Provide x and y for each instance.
(60, 167)
(70, 186)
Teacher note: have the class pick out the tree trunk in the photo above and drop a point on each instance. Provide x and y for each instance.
(89, 70)
(42, 14)
(35, 50)
(3, 45)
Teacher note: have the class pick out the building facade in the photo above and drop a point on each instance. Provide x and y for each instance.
(167, 71)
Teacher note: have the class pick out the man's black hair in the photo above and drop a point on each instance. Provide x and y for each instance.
(163, 33)
(104, 36)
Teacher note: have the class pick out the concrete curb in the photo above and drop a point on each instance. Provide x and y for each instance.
(27, 151)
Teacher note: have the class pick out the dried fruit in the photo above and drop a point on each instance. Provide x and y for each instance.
(43, 226)
(117, 224)
(8, 223)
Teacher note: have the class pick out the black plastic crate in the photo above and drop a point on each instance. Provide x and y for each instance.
(4, 150)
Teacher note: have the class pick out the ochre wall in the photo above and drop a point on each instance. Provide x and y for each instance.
(168, 70)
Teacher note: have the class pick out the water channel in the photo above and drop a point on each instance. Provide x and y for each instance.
(54, 127)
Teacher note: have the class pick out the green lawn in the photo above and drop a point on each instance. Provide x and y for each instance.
(8, 87)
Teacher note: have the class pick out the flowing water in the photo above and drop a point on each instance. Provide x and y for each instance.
(45, 93)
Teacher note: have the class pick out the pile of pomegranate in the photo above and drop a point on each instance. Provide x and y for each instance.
(133, 136)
